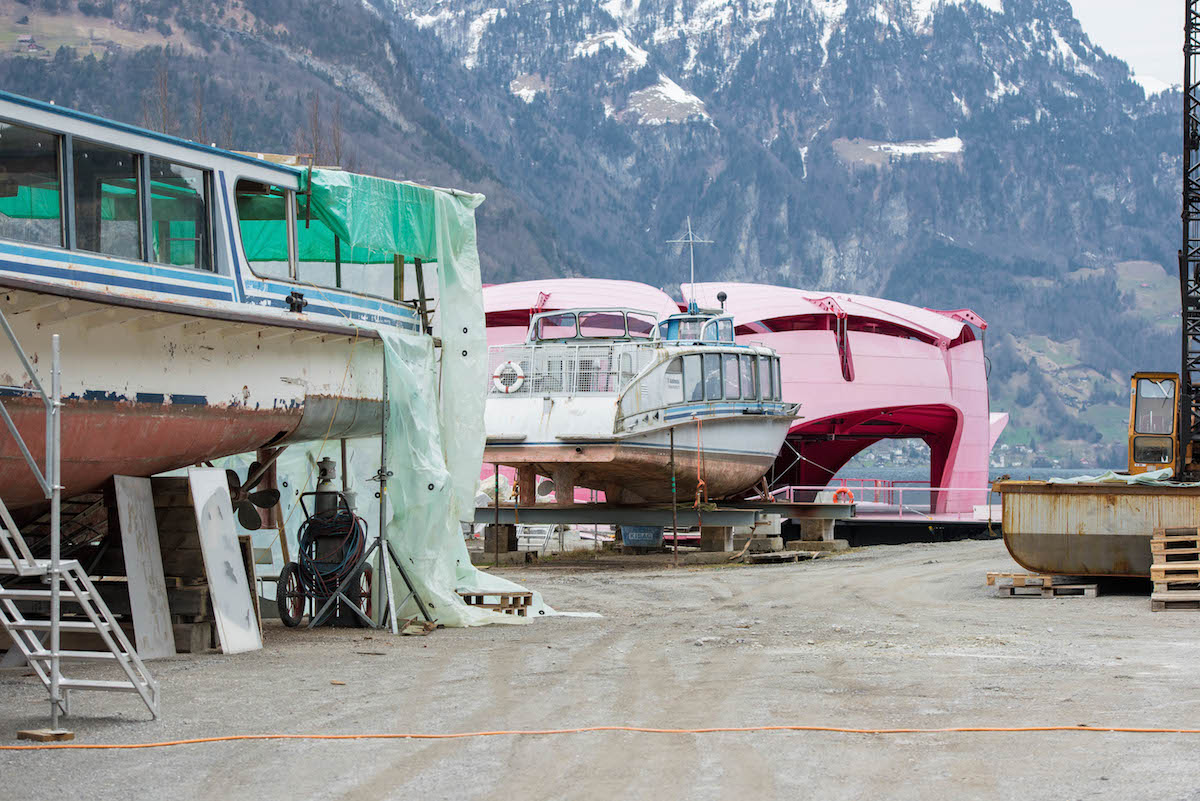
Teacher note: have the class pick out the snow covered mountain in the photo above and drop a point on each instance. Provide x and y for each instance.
(948, 153)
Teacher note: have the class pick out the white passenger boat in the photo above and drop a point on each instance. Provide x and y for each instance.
(593, 397)
(209, 303)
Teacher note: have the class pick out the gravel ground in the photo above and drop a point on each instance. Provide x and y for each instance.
(904, 636)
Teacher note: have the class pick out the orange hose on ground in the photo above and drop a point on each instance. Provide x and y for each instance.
(584, 729)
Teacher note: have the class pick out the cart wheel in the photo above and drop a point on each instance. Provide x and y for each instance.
(289, 595)
(364, 590)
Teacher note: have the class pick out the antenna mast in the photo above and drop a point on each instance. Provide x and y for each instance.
(691, 241)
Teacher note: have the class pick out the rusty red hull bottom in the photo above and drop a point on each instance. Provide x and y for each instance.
(631, 474)
(105, 438)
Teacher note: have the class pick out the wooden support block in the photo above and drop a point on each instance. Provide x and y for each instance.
(46, 735)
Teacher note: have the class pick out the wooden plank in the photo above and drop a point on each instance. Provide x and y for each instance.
(144, 568)
(246, 543)
(232, 604)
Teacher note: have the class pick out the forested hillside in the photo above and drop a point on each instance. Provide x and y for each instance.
(942, 153)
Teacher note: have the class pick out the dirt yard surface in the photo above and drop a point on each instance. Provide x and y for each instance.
(904, 636)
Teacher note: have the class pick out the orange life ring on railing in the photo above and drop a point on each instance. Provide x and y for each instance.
(508, 377)
(843, 492)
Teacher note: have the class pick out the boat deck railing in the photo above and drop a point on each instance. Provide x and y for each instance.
(565, 369)
(912, 499)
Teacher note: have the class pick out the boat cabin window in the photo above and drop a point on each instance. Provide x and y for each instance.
(263, 223)
(693, 385)
(726, 328)
(640, 326)
(179, 216)
(749, 384)
(601, 325)
(766, 376)
(30, 193)
(107, 200)
(712, 376)
(673, 381)
(732, 373)
(710, 332)
(556, 326)
(778, 380)
(1154, 407)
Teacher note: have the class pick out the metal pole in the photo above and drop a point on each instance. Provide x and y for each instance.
(385, 568)
(674, 510)
(496, 503)
(53, 424)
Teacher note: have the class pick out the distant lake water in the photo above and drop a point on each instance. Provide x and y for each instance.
(917, 473)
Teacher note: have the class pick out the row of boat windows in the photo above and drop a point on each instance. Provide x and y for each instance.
(143, 208)
(129, 205)
(722, 376)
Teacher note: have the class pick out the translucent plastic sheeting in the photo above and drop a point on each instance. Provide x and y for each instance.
(1154, 478)
(435, 441)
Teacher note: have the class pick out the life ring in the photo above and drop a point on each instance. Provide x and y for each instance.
(509, 377)
(843, 492)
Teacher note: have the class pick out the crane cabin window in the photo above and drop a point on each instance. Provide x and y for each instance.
(1154, 407)
(30, 192)
(179, 221)
(108, 215)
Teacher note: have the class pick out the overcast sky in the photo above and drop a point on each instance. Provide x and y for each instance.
(1148, 34)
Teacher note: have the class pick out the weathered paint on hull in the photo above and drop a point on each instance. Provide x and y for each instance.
(103, 438)
(144, 393)
(1090, 529)
(633, 474)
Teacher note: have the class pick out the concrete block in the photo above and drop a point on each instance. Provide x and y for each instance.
(758, 544)
(819, 530)
(716, 538)
(507, 536)
(768, 525)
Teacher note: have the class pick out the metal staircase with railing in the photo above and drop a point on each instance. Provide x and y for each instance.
(39, 638)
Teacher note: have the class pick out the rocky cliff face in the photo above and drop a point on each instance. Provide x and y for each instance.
(942, 152)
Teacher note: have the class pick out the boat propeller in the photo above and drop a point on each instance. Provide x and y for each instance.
(247, 502)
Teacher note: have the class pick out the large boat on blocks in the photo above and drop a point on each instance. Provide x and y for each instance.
(608, 398)
(209, 302)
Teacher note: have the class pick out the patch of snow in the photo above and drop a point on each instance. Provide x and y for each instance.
(1069, 57)
(475, 34)
(1154, 86)
(635, 57)
(962, 105)
(622, 10)
(1003, 88)
(527, 87)
(923, 9)
(832, 12)
(804, 162)
(424, 21)
(664, 102)
(949, 146)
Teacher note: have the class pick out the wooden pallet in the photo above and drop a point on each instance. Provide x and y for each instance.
(1025, 579)
(772, 557)
(1049, 591)
(509, 603)
(1175, 569)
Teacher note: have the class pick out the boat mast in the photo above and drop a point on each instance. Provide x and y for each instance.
(691, 241)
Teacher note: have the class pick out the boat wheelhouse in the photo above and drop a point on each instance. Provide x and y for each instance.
(594, 398)
(209, 302)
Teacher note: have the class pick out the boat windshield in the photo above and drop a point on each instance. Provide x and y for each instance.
(594, 324)
(696, 329)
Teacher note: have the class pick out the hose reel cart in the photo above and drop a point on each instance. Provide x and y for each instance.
(331, 542)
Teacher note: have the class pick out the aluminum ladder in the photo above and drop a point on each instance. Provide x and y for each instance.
(66, 579)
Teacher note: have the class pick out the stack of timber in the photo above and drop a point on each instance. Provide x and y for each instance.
(1039, 585)
(188, 598)
(1175, 569)
(509, 603)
